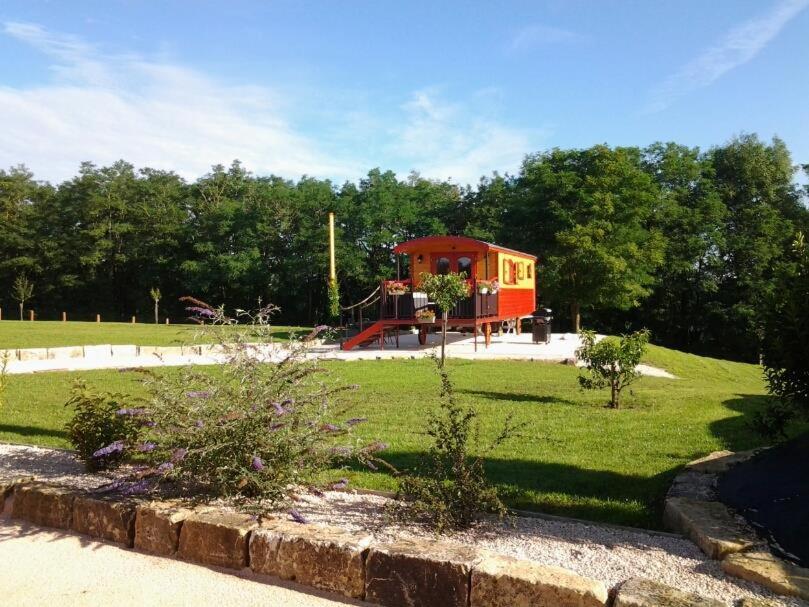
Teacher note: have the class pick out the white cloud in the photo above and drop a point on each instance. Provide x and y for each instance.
(738, 46)
(444, 140)
(535, 35)
(102, 108)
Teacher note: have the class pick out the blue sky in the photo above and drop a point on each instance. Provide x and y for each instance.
(332, 89)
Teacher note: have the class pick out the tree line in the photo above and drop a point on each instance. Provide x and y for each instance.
(669, 237)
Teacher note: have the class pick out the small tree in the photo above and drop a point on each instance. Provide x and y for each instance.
(450, 489)
(155, 293)
(611, 362)
(446, 290)
(22, 291)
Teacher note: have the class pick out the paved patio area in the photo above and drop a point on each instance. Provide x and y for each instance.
(508, 346)
(52, 567)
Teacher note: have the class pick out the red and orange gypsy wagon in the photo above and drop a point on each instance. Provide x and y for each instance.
(502, 287)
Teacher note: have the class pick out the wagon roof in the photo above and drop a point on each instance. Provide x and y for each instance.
(471, 244)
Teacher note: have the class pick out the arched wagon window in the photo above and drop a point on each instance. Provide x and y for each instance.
(465, 267)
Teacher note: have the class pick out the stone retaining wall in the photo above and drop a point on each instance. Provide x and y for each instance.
(693, 510)
(420, 573)
(425, 573)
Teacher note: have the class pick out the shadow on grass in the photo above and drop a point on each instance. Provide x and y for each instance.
(517, 397)
(736, 431)
(567, 490)
(29, 431)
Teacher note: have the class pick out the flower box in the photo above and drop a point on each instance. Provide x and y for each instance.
(425, 316)
(397, 288)
(486, 287)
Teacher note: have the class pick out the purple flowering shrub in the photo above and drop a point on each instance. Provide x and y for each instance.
(449, 488)
(263, 423)
(101, 426)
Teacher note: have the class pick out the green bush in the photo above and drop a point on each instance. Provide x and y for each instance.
(446, 290)
(263, 424)
(611, 362)
(102, 424)
(785, 343)
(450, 489)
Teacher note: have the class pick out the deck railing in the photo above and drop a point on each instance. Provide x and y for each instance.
(404, 306)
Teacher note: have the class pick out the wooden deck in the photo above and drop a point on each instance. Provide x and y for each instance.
(478, 312)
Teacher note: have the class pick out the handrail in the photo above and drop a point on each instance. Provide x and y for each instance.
(351, 307)
(370, 303)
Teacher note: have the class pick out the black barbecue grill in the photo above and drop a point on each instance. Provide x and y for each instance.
(541, 325)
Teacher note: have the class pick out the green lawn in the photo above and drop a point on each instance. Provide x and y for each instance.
(575, 457)
(45, 333)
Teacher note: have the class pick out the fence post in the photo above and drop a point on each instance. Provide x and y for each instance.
(31, 315)
(133, 320)
(98, 317)
(1, 313)
(167, 320)
(64, 316)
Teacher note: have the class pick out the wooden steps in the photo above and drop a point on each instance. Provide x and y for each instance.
(366, 335)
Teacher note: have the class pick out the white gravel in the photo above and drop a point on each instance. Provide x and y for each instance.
(610, 554)
(51, 465)
(562, 347)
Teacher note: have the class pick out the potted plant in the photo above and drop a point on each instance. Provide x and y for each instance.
(484, 286)
(494, 286)
(397, 287)
(425, 315)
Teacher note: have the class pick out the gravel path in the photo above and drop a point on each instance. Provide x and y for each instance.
(562, 347)
(610, 554)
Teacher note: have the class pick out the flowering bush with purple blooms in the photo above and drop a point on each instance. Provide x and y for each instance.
(265, 422)
(101, 426)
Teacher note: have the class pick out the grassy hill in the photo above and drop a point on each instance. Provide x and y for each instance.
(575, 457)
(53, 334)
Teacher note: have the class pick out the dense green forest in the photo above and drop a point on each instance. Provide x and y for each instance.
(682, 241)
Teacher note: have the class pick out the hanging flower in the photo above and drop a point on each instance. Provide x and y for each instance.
(115, 447)
(298, 517)
(179, 455)
(202, 312)
(131, 412)
(376, 447)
